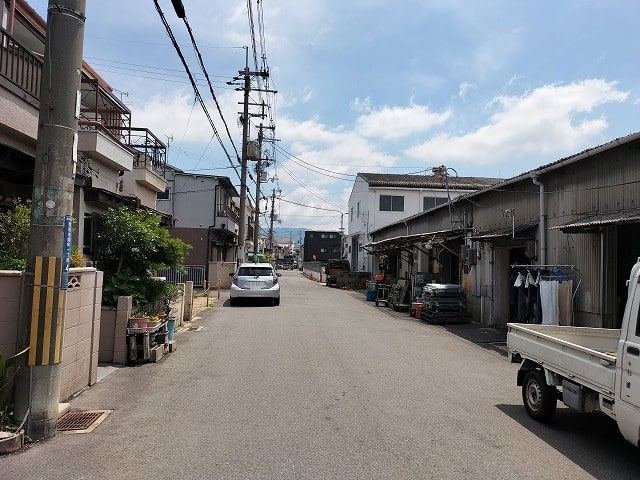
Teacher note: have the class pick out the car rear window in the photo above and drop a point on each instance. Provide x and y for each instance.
(253, 271)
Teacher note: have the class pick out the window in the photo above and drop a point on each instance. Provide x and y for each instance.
(391, 203)
(351, 216)
(430, 202)
(164, 195)
(87, 238)
(358, 209)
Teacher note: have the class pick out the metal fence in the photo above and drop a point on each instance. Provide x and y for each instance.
(191, 273)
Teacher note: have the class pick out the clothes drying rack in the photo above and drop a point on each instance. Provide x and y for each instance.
(553, 268)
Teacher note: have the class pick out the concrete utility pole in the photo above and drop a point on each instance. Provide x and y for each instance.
(243, 167)
(273, 200)
(259, 167)
(245, 142)
(46, 278)
(256, 219)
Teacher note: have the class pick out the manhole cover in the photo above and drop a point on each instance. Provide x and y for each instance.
(81, 422)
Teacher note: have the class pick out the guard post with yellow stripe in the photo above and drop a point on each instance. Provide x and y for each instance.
(47, 312)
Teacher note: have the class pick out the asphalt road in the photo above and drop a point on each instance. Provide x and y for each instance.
(325, 386)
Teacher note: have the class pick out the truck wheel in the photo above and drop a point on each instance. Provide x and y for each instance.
(539, 398)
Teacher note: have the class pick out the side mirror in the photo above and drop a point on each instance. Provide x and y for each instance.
(232, 274)
(278, 274)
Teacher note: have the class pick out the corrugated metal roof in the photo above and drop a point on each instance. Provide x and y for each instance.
(593, 222)
(502, 232)
(407, 242)
(427, 181)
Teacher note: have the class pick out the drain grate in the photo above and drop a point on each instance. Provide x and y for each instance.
(81, 421)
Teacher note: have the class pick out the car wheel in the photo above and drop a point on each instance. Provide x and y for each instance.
(276, 302)
(539, 398)
(233, 302)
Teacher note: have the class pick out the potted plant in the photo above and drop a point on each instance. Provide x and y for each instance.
(139, 319)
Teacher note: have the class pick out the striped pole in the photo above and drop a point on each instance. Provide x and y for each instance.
(47, 304)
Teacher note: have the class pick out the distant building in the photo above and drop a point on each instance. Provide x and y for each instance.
(321, 245)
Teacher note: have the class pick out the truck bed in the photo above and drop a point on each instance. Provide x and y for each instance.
(584, 355)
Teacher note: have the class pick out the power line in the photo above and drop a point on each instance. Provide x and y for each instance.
(315, 168)
(311, 206)
(292, 175)
(193, 83)
(206, 74)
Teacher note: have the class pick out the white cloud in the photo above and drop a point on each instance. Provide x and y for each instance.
(391, 123)
(548, 120)
(180, 116)
(464, 89)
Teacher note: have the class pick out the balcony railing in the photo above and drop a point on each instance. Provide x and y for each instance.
(153, 153)
(18, 65)
(225, 211)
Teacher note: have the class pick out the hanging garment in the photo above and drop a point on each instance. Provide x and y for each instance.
(565, 302)
(522, 305)
(549, 300)
(532, 299)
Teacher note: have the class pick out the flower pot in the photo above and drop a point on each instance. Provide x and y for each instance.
(139, 322)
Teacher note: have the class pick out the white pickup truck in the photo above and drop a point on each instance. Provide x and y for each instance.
(589, 369)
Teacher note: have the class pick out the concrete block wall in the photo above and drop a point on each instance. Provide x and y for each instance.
(81, 331)
(11, 301)
(80, 341)
(219, 271)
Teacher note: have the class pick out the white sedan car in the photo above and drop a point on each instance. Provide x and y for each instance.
(255, 280)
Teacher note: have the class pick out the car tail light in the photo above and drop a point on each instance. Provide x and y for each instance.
(275, 279)
(235, 280)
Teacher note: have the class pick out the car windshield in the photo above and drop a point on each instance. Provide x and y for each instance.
(254, 271)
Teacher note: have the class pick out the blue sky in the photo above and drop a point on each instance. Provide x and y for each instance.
(487, 88)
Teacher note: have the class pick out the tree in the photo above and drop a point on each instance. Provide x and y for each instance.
(131, 245)
(14, 236)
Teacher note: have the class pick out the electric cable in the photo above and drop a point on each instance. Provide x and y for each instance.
(193, 83)
(206, 74)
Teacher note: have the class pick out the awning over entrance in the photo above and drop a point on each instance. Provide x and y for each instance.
(502, 232)
(407, 242)
(593, 223)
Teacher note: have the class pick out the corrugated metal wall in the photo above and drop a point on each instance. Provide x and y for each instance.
(604, 179)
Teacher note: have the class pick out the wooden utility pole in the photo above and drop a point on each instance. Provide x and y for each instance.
(46, 277)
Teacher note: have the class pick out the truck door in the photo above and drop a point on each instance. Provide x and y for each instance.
(630, 361)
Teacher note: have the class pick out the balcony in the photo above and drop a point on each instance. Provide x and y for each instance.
(226, 220)
(98, 142)
(151, 161)
(20, 70)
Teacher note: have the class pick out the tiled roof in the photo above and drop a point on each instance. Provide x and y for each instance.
(426, 181)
